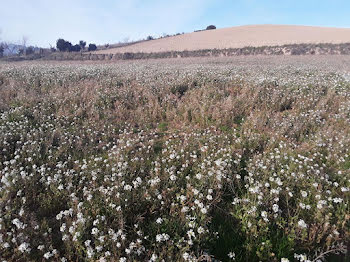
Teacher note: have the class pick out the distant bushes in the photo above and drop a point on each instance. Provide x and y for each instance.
(75, 48)
(66, 46)
(63, 45)
(92, 47)
(211, 27)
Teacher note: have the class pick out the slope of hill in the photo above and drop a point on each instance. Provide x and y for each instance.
(240, 36)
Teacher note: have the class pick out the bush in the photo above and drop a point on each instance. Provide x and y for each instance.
(2, 50)
(92, 47)
(211, 27)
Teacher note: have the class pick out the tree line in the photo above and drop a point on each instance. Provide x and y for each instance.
(66, 46)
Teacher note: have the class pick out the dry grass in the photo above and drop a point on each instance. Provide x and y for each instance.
(242, 159)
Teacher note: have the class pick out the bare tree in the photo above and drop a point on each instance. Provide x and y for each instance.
(22, 47)
(6, 47)
(11, 49)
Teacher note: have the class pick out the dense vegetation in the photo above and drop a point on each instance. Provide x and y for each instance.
(182, 161)
(66, 46)
(211, 27)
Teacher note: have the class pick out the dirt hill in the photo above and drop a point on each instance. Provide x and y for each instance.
(240, 36)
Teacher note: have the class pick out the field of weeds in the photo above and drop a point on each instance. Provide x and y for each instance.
(241, 159)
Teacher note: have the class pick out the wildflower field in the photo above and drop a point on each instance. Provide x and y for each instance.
(215, 159)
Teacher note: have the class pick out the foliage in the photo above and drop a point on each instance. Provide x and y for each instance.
(211, 27)
(92, 47)
(63, 45)
(75, 48)
(82, 44)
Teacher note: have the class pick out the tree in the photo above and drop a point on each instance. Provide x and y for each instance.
(11, 49)
(149, 37)
(68, 46)
(211, 27)
(82, 44)
(63, 45)
(75, 48)
(92, 47)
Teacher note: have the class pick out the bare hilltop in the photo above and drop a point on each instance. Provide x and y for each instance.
(239, 37)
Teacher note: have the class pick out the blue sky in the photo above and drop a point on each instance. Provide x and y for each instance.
(111, 21)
